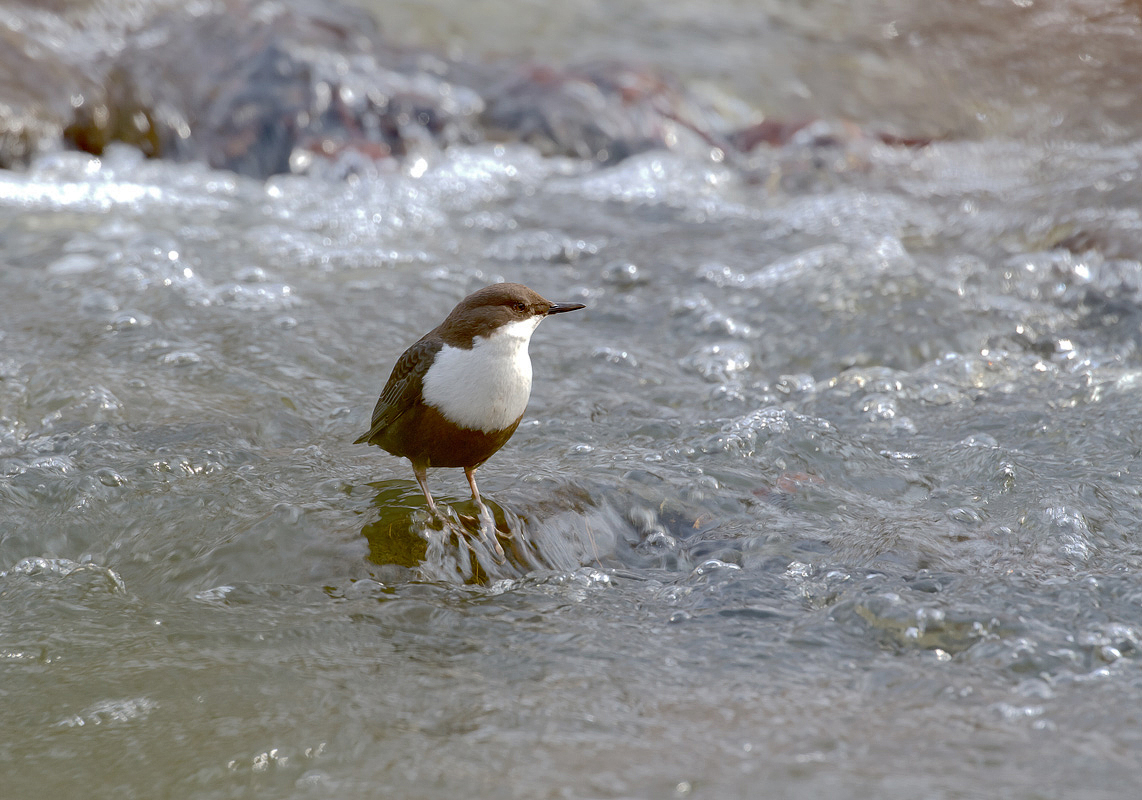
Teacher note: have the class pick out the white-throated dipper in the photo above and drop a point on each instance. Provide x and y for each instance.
(455, 397)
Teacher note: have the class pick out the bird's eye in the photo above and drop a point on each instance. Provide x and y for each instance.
(520, 307)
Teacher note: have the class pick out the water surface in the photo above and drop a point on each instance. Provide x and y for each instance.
(830, 490)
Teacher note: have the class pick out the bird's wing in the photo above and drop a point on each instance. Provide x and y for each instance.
(403, 387)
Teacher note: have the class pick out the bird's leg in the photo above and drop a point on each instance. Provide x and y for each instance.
(470, 474)
(421, 473)
(488, 522)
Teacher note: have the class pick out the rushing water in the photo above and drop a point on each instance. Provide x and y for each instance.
(829, 492)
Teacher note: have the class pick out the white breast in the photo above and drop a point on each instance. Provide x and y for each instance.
(485, 388)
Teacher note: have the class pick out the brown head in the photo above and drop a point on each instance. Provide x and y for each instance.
(485, 310)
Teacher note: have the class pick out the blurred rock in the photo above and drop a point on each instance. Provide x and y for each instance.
(603, 110)
(247, 86)
(261, 87)
(36, 87)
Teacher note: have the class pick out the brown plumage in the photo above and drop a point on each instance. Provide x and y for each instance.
(456, 396)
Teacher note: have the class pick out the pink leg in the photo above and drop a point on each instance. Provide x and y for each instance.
(489, 533)
(470, 474)
(421, 474)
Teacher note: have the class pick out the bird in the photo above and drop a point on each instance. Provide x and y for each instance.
(457, 395)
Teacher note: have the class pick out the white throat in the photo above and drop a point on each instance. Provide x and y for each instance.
(485, 388)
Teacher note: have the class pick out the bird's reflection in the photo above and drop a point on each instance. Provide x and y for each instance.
(464, 543)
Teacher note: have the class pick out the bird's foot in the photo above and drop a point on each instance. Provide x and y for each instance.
(435, 518)
(488, 529)
(483, 526)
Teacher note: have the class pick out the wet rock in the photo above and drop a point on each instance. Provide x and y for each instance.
(36, 87)
(249, 86)
(603, 110)
(261, 88)
(815, 133)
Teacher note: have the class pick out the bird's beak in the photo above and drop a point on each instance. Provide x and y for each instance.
(559, 308)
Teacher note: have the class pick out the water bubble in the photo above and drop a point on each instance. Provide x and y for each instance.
(60, 568)
(939, 394)
(980, 440)
(795, 384)
(615, 355)
(1013, 713)
(742, 434)
(623, 274)
(712, 566)
(251, 275)
(718, 361)
(216, 594)
(966, 515)
(722, 323)
(74, 264)
(109, 477)
(98, 301)
(720, 275)
(879, 407)
(181, 358)
(107, 712)
(129, 320)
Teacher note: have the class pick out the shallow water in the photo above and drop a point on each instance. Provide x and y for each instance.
(831, 489)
